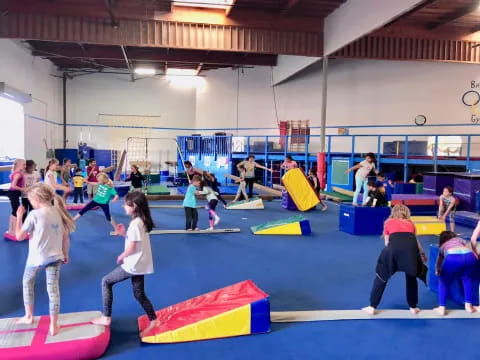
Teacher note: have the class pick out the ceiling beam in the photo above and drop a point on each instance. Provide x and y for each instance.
(289, 5)
(411, 12)
(130, 69)
(453, 16)
(157, 34)
(229, 9)
(52, 51)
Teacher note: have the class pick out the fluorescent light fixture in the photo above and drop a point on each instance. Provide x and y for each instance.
(215, 4)
(9, 92)
(181, 72)
(144, 71)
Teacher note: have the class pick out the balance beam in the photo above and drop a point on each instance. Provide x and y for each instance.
(257, 186)
(331, 315)
(214, 231)
(278, 187)
(342, 191)
(170, 206)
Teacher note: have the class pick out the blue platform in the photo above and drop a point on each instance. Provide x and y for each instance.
(362, 220)
(467, 218)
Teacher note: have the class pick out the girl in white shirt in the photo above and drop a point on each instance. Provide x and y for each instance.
(51, 178)
(49, 227)
(212, 199)
(361, 176)
(136, 260)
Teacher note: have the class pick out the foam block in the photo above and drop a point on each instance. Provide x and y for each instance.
(251, 204)
(467, 218)
(362, 220)
(428, 225)
(295, 225)
(287, 202)
(78, 339)
(239, 309)
(74, 207)
(7, 236)
(300, 190)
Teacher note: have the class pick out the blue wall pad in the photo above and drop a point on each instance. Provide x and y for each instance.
(361, 220)
(467, 218)
(405, 188)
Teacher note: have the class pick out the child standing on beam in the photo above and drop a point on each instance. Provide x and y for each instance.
(190, 204)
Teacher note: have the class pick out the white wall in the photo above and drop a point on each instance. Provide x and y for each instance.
(361, 92)
(33, 75)
(150, 102)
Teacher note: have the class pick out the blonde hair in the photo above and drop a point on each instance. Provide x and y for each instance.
(16, 162)
(400, 211)
(104, 179)
(45, 194)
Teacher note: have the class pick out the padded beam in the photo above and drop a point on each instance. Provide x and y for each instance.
(342, 191)
(161, 232)
(257, 186)
(170, 206)
(332, 315)
(278, 187)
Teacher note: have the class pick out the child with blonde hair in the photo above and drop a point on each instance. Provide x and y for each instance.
(242, 186)
(49, 225)
(105, 192)
(15, 192)
(402, 253)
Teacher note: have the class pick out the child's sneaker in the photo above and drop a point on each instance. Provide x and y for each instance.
(209, 229)
(217, 220)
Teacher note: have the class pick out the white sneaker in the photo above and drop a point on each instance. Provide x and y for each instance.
(217, 220)
(209, 229)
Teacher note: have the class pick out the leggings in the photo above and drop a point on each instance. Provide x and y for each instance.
(119, 275)
(28, 207)
(241, 191)
(250, 182)
(53, 277)
(212, 204)
(379, 287)
(220, 198)
(457, 266)
(92, 204)
(14, 197)
(191, 218)
(78, 194)
(359, 184)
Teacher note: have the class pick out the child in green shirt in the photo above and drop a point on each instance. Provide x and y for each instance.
(102, 198)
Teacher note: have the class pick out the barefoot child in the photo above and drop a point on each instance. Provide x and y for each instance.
(135, 261)
(447, 207)
(242, 185)
(313, 179)
(212, 199)
(51, 178)
(455, 260)
(190, 204)
(105, 192)
(31, 177)
(15, 192)
(49, 227)
(402, 253)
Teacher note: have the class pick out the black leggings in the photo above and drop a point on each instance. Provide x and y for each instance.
(28, 207)
(250, 182)
(212, 204)
(379, 287)
(92, 204)
(118, 275)
(14, 197)
(220, 198)
(191, 218)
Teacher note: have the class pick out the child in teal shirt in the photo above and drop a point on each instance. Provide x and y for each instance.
(190, 204)
(102, 198)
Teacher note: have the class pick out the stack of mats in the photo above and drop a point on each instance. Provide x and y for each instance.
(300, 189)
(428, 225)
(239, 309)
(295, 225)
(467, 218)
(158, 190)
(419, 204)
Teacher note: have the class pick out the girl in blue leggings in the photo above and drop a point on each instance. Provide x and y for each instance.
(455, 260)
(361, 176)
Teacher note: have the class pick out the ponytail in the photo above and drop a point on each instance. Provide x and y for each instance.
(68, 223)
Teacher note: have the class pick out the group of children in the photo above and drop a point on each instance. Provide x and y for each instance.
(404, 253)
